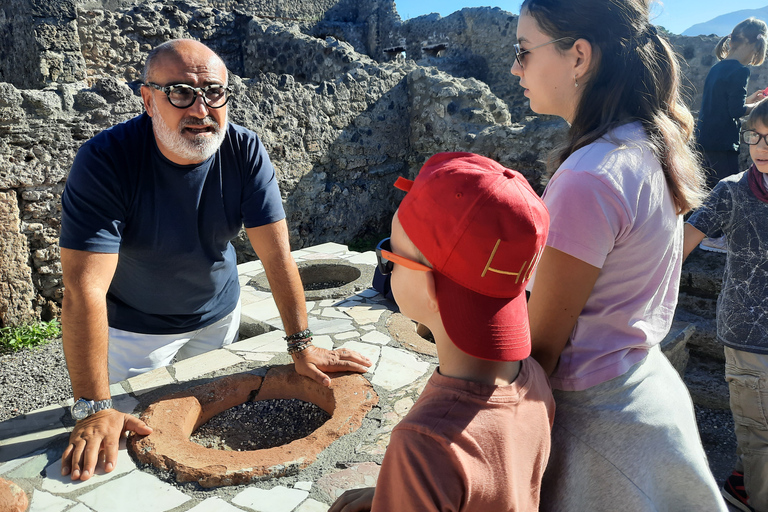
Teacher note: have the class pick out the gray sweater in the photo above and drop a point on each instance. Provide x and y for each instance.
(742, 307)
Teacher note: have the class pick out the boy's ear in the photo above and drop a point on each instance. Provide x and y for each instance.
(432, 304)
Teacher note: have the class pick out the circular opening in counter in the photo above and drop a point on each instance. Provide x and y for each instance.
(175, 417)
(326, 279)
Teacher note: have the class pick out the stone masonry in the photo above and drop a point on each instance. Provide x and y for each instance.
(340, 116)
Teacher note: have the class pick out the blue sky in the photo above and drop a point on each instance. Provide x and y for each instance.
(674, 15)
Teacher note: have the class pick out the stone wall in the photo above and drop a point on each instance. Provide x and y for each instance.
(339, 126)
(479, 45)
(39, 42)
(340, 117)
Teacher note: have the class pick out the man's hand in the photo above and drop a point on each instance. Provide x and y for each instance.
(96, 439)
(313, 361)
(354, 500)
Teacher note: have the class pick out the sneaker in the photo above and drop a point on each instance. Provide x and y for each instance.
(714, 245)
(733, 491)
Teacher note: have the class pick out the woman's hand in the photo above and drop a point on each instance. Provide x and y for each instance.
(756, 97)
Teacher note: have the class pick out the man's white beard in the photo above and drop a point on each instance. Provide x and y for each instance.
(197, 149)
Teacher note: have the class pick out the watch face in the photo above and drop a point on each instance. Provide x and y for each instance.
(80, 410)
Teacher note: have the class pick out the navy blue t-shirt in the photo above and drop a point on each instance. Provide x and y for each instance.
(722, 106)
(171, 224)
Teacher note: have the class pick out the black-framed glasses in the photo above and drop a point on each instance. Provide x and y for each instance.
(752, 138)
(520, 53)
(386, 259)
(184, 96)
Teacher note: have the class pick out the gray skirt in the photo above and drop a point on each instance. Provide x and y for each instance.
(629, 444)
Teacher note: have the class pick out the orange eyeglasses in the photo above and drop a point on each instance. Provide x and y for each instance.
(386, 259)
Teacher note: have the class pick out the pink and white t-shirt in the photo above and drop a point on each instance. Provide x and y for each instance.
(610, 207)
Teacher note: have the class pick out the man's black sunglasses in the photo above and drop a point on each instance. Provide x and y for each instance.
(184, 96)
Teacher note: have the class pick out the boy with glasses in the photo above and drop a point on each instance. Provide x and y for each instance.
(464, 243)
(738, 209)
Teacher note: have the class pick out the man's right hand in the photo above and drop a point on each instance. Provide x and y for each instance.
(96, 439)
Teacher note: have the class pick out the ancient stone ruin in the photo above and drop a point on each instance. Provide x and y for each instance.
(345, 95)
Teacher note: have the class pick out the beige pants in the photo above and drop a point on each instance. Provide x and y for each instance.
(747, 376)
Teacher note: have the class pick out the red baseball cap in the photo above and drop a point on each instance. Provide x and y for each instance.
(483, 229)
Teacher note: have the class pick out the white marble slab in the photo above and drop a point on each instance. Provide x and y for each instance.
(398, 368)
(277, 499)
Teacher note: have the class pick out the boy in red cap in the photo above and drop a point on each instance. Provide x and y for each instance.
(464, 242)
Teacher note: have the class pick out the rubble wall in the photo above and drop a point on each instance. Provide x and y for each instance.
(340, 117)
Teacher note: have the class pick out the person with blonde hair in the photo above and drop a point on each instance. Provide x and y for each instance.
(725, 102)
(605, 291)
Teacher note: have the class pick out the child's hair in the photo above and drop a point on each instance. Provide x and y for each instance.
(758, 114)
(749, 31)
(635, 75)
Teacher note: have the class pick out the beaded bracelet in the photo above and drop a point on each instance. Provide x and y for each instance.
(299, 346)
(306, 333)
(300, 341)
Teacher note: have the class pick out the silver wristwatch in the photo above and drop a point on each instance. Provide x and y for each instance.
(84, 408)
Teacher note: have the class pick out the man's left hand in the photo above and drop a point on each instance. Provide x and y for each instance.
(313, 361)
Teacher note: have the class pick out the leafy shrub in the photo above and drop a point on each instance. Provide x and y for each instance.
(28, 336)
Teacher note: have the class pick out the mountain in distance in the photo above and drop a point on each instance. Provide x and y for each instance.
(723, 24)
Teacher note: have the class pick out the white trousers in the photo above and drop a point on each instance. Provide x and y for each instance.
(132, 353)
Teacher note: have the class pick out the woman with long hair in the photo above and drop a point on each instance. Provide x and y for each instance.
(605, 290)
(724, 100)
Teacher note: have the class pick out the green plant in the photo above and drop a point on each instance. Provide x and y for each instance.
(28, 336)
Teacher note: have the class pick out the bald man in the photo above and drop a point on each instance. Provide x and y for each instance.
(148, 212)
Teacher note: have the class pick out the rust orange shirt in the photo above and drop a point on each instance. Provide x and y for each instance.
(467, 446)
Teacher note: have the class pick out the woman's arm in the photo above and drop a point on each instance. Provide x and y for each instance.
(561, 289)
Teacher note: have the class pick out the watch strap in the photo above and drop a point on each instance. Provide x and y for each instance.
(100, 405)
(94, 406)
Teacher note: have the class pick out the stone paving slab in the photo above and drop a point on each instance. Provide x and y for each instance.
(366, 314)
(46, 502)
(277, 499)
(270, 342)
(56, 483)
(30, 441)
(356, 323)
(398, 368)
(31, 466)
(311, 505)
(215, 504)
(132, 492)
(357, 476)
(193, 367)
(150, 381)
(372, 352)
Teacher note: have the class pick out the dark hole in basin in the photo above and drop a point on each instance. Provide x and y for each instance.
(260, 425)
(325, 279)
(322, 276)
(323, 285)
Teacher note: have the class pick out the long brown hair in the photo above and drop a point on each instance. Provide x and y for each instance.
(634, 75)
(749, 31)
